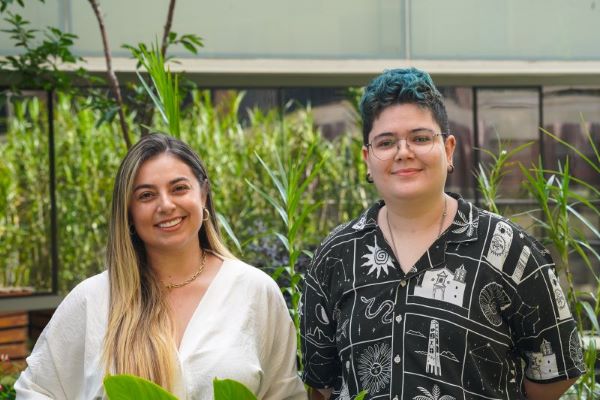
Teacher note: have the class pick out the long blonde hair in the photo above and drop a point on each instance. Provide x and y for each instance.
(139, 338)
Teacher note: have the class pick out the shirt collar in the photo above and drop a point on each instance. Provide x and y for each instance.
(368, 219)
(462, 229)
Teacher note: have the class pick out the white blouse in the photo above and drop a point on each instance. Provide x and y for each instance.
(241, 330)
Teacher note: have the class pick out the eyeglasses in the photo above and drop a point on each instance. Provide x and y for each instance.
(386, 146)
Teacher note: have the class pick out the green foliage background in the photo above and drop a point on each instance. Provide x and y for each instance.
(87, 158)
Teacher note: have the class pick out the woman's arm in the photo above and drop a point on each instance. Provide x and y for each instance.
(281, 379)
(56, 368)
(319, 394)
(546, 391)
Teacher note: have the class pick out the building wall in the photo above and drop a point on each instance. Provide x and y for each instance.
(340, 29)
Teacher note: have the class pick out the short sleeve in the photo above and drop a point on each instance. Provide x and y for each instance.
(543, 329)
(322, 367)
(55, 366)
(59, 365)
(280, 380)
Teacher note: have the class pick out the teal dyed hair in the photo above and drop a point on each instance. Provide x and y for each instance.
(401, 86)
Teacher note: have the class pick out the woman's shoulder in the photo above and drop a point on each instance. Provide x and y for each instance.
(90, 291)
(507, 230)
(93, 285)
(367, 220)
(250, 275)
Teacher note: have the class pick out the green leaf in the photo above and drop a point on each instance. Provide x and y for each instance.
(225, 224)
(228, 389)
(277, 182)
(129, 387)
(589, 310)
(190, 47)
(283, 240)
(361, 395)
(167, 99)
(271, 200)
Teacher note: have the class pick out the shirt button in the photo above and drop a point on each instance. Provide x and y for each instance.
(398, 318)
(397, 359)
(403, 283)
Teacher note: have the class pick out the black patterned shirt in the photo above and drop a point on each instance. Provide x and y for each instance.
(478, 312)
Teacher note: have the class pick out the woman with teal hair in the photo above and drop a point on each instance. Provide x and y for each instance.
(425, 295)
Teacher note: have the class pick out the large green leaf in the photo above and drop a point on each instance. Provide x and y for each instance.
(129, 387)
(228, 389)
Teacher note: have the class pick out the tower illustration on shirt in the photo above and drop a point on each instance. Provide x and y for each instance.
(542, 365)
(443, 284)
(521, 264)
(433, 349)
(500, 245)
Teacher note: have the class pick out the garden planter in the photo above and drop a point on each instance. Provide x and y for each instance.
(14, 327)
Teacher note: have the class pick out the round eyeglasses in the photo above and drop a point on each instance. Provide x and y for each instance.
(386, 146)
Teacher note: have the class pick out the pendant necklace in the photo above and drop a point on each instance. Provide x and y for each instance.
(192, 278)
(443, 217)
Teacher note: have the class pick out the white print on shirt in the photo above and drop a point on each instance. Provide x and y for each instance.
(499, 245)
(374, 367)
(321, 314)
(561, 301)
(433, 349)
(378, 259)
(342, 330)
(435, 394)
(520, 268)
(387, 307)
(526, 318)
(492, 300)
(316, 361)
(318, 336)
(433, 353)
(542, 365)
(485, 358)
(344, 392)
(576, 351)
(361, 222)
(467, 226)
(443, 284)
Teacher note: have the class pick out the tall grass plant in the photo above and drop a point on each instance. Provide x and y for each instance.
(569, 222)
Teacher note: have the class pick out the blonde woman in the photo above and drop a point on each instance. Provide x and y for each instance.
(175, 306)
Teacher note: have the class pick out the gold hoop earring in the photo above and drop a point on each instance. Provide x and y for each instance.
(205, 218)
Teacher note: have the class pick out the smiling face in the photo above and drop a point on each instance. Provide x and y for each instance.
(166, 204)
(409, 175)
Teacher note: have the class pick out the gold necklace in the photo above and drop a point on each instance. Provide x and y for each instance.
(444, 213)
(192, 278)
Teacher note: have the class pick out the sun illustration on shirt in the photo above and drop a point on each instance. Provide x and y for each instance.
(378, 259)
(375, 367)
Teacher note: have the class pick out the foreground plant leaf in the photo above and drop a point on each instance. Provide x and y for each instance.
(361, 395)
(228, 389)
(129, 387)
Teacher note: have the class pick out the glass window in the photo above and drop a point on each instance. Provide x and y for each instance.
(459, 105)
(506, 119)
(572, 114)
(332, 109)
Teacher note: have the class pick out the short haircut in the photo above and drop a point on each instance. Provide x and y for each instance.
(401, 86)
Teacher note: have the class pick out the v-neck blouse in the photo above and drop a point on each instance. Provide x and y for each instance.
(241, 330)
(478, 312)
